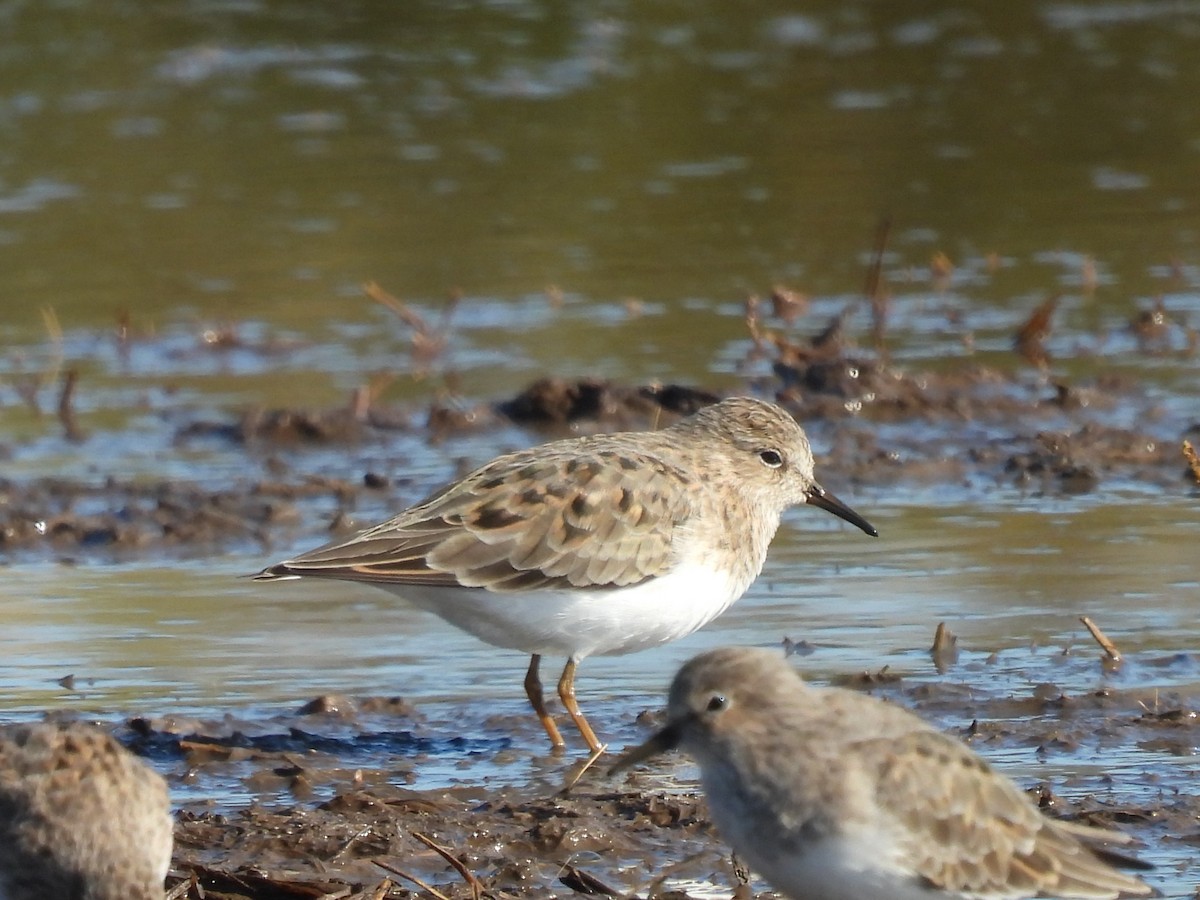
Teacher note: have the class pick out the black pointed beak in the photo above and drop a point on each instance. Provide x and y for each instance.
(667, 739)
(822, 499)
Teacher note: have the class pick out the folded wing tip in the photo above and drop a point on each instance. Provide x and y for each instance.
(279, 572)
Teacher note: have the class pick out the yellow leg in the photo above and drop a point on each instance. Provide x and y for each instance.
(533, 690)
(566, 692)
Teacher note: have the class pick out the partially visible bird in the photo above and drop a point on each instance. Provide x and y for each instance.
(81, 818)
(833, 795)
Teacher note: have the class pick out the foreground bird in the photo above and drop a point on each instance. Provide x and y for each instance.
(604, 544)
(834, 795)
(81, 818)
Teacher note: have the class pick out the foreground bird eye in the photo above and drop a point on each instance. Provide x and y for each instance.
(771, 458)
(716, 703)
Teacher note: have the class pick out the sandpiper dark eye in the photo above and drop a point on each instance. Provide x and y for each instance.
(771, 458)
(716, 703)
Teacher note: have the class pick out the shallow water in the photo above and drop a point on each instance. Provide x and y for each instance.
(194, 642)
(201, 638)
(603, 185)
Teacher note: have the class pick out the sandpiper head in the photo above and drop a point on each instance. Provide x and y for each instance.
(716, 696)
(770, 454)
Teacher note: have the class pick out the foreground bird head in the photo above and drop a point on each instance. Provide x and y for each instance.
(782, 471)
(714, 698)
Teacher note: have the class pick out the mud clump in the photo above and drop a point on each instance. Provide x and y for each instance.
(507, 845)
(966, 422)
(1075, 463)
(335, 822)
(974, 424)
(122, 518)
(554, 402)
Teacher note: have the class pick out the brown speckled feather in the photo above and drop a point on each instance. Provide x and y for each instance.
(603, 515)
(830, 794)
(975, 833)
(77, 808)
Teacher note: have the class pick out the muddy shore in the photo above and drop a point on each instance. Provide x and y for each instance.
(327, 827)
(968, 424)
(331, 825)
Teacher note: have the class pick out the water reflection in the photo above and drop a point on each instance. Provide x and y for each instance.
(272, 156)
(201, 639)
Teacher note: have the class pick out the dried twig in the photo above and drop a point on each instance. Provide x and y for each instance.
(66, 409)
(403, 311)
(582, 882)
(1031, 336)
(754, 323)
(1193, 460)
(787, 305)
(941, 267)
(29, 385)
(365, 395)
(378, 892)
(124, 334)
(354, 839)
(944, 639)
(182, 888)
(945, 648)
(423, 885)
(874, 290)
(1106, 644)
(54, 329)
(428, 342)
(468, 876)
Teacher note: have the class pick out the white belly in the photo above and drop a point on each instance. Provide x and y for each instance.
(863, 865)
(783, 832)
(833, 869)
(580, 623)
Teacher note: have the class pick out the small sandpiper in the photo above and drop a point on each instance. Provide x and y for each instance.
(81, 818)
(833, 795)
(605, 544)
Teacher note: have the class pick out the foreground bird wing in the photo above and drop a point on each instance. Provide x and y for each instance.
(974, 832)
(601, 517)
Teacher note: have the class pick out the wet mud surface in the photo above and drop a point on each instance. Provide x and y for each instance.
(967, 424)
(343, 806)
(958, 386)
(341, 811)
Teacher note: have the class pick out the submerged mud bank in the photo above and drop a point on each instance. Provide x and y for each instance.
(971, 430)
(1054, 414)
(341, 811)
(351, 798)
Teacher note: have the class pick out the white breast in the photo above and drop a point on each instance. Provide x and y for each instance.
(579, 623)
